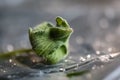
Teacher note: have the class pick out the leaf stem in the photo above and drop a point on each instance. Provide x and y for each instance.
(13, 53)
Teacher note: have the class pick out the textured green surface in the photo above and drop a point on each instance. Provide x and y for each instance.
(50, 41)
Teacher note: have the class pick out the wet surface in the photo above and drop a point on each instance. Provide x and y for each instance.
(94, 45)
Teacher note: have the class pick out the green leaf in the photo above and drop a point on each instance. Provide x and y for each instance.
(51, 42)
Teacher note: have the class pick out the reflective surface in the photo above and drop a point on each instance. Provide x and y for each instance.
(94, 45)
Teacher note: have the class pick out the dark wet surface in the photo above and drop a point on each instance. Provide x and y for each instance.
(95, 39)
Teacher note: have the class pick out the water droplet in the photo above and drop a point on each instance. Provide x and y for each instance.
(14, 64)
(105, 58)
(66, 60)
(82, 59)
(97, 52)
(33, 60)
(10, 60)
(88, 56)
(3, 70)
(62, 69)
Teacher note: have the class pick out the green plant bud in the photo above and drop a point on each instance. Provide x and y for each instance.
(49, 41)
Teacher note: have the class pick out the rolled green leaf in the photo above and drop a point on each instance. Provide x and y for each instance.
(50, 41)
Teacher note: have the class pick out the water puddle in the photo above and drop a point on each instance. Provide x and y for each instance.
(24, 66)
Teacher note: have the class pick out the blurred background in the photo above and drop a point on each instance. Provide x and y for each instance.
(96, 25)
(94, 21)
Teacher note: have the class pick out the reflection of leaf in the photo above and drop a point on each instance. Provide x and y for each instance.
(13, 53)
(78, 73)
